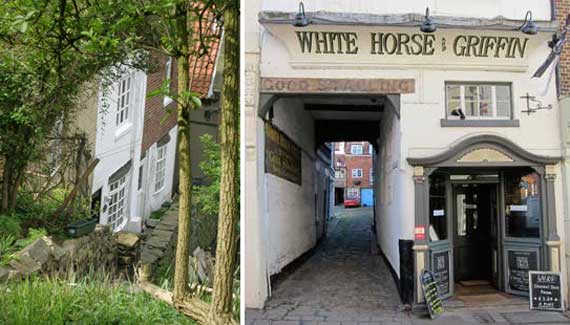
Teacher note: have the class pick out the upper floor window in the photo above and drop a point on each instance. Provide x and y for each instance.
(357, 173)
(339, 173)
(160, 172)
(123, 100)
(478, 101)
(340, 148)
(371, 176)
(356, 149)
(370, 149)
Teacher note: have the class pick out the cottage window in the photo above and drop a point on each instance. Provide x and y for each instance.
(474, 101)
(117, 202)
(160, 169)
(357, 173)
(123, 101)
(356, 149)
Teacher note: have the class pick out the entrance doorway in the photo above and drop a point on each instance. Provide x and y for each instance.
(475, 241)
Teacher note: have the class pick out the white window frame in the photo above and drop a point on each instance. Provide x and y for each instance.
(352, 192)
(493, 86)
(370, 149)
(117, 204)
(356, 152)
(371, 176)
(168, 74)
(340, 147)
(160, 171)
(123, 100)
(339, 174)
(356, 173)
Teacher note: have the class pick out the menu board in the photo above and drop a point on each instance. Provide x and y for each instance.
(545, 290)
(282, 155)
(520, 263)
(431, 294)
(441, 271)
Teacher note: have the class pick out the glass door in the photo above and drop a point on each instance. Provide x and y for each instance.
(522, 228)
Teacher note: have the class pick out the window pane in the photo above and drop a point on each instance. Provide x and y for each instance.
(437, 210)
(522, 199)
(503, 93)
(453, 100)
(486, 101)
(503, 109)
(471, 101)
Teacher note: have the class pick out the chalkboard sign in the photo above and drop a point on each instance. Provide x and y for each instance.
(441, 271)
(431, 294)
(520, 263)
(282, 155)
(545, 290)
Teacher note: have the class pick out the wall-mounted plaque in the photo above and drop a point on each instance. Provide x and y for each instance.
(545, 290)
(520, 262)
(282, 155)
(441, 271)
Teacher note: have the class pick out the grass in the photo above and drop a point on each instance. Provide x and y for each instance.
(57, 301)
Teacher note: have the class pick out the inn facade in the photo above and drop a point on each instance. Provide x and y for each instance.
(469, 148)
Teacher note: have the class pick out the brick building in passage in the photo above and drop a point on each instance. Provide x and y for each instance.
(354, 174)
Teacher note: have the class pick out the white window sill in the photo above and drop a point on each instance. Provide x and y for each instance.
(123, 130)
(479, 123)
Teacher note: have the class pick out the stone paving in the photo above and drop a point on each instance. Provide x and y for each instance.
(346, 282)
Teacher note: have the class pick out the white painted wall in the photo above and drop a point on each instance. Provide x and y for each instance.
(290, 208)
(116, 145)
(391, 192)
(512, 9)
(153, 200)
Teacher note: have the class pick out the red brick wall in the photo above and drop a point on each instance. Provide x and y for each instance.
(562, 10)
(351, 162)
(158, 120)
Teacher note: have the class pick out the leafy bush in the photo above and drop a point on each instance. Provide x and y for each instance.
(95, 301)
(208, 196)
(10, 225)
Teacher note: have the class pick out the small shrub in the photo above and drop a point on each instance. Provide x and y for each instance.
(10, 225)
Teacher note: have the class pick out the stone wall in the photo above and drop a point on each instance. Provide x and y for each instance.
(96, 251)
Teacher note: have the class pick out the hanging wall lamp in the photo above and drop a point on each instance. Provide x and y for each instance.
(528, 27)
(301, 19)
(428, 26)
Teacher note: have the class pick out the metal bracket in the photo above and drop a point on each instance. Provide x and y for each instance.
(532, 100)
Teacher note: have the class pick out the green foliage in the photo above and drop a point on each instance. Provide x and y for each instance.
(96, 301)
(33, 234)
(208, 196)
(49, 52)
(6, 248)
(10, 226)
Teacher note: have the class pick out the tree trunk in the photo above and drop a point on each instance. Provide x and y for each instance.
(229, 201)
(7, 175)
(185, 174)
(16, 188)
